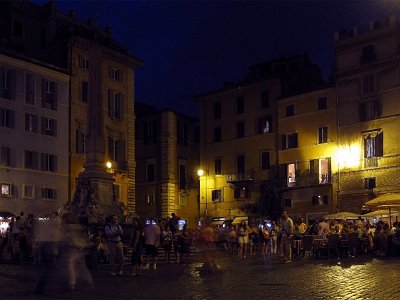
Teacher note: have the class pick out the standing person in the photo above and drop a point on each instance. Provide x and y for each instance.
(137, 245)
(273, 235)
(243, 239)
(152, 235)
(114, 232)
(231, 240)
(167, 243)
(265, 237)
(173, 223)
(302, 226)
(287, 232)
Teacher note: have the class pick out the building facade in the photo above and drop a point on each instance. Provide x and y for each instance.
(167, 156)
(34, 110)
(307, 154)
(368, 87)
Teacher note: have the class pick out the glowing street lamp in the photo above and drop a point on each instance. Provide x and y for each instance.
(201, 172)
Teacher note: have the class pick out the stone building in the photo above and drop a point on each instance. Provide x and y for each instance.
(167, 158)
(368, 89)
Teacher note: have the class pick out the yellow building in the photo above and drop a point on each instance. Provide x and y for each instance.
(368, 88)
(167, 156)
(308, 152)
(238, 134)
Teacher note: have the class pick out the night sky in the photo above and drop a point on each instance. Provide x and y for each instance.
(192, 47)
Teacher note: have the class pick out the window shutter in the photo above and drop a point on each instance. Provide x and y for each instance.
(54, 194)
(121, 113)
(121, 149)
(55, 102)
(155, 131)
(365, 147)
(77, 142)
(110, 104)
(55, 163)
(110, 72)
(43, 125)
(44, 82)
(35, 124)
(12, 119)
(43, 161)
(379, 145)
(296, 141)
(377, 109)
(111, 148)
(283, 141)
(121, 75)
(54, 127)
(362, 112)
(12, 79)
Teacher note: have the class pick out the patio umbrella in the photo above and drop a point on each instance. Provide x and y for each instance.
(344, 215)
(388, 201)
(383, 213)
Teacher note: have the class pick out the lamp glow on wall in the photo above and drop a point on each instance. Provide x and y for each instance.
(109, 167)
(200, 173)
(349, 156)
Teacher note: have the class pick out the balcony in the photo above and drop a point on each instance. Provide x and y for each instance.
(371, 162)
(306, 180)
(242, 177)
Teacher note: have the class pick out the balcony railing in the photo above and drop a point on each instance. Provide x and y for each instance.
(239, 177)
(371, 162)
(307, 180)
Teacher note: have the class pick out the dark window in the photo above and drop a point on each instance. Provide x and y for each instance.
(150, 172)
(48, 162)
(367, 54)
(115, 74)
(322, 135)
(217, 110)
(6, 83)
(265, 160)
(48, 193)
(318, 200)
(49, 94)
(240, 130)
(182, 133)
(31, 160)
(289, 141)
(218, 166)
(322, 103)
(80, 141)
(29, 89)
(264, 99)
(373, 145)
(116, 150)
(241, 192)
(5, 156)
(217, 134)
(369, 110)
(7, 118)
(49, 126)
(265, 125)
(240, 166)
(182, 177)
(289, 110)
(31, 123)
(18, 28)
(115, 105)
(240, 105)
(84, 91)
(368, 84)
(288, 202)
(216, 195)
(84, 62)
(370, 183)
(149, 132)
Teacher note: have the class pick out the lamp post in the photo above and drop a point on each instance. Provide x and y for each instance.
(201, 172)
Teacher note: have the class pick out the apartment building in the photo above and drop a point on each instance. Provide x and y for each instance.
(307, 152)
(238, 134)
(167, 157)
(368, 87)
(48, 35)
(34, 129)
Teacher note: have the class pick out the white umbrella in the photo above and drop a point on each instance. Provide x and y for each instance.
(344, 215)
(388, 200)
(383, 213)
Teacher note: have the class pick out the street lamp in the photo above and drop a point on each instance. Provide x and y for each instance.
(201, 172)
(109, 167)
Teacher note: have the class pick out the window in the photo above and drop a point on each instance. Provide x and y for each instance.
(320, 170)
(183, 199)
(287, 202)
(289, 110)
(7, 118)
(48, 162)
(369, 110)
(291, 171)
(49, 126)
(17, 28)
(80, 141)
(29, 89)
(83, 62)
(368, 84)
(116, 149)
(218, 166)
(240, 166)
(115, 74)
(319, 200)
(289, 141)
(7, 189)
(150, 172)
(150, 199)
(322, 103)
(31, 160)
(216, 195)
(6, 80)
(182, 177)
(217, 134)
(49, 94)
(373, 145)
(217, 110)
(240, 105)
(264, 99)
(28, 191)
(241, 192)
(84, 91)
(322, 135)
(5, 156)
(117, 191)
(31, 123)
(48, 193)
(367, 54)
(240, 130)
(182, 133)
(115, 105)
(149, 132)
(265, 160)
(265, 125)
(370, 183)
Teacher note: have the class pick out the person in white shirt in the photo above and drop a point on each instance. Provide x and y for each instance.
(287, 232)
(152, 234)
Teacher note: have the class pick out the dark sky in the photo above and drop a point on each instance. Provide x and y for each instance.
(192, 47)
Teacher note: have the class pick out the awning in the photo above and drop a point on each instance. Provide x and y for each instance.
(239, 220)
(217, 223)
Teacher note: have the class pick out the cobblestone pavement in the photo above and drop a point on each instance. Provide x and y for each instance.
(254, 278)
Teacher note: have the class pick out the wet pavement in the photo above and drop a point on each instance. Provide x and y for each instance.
(256, 277)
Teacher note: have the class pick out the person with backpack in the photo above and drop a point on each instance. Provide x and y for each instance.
(114, 232)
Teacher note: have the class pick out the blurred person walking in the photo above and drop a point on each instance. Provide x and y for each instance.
(137, 245)
(114, 232)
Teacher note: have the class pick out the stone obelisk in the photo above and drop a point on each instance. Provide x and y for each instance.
(94, 195)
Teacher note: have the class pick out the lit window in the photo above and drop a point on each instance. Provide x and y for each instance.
(320, 200)
(6, 189)
(265, 125)
(291, 174)
(322, 135)
(216, 195)
(373, 145)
